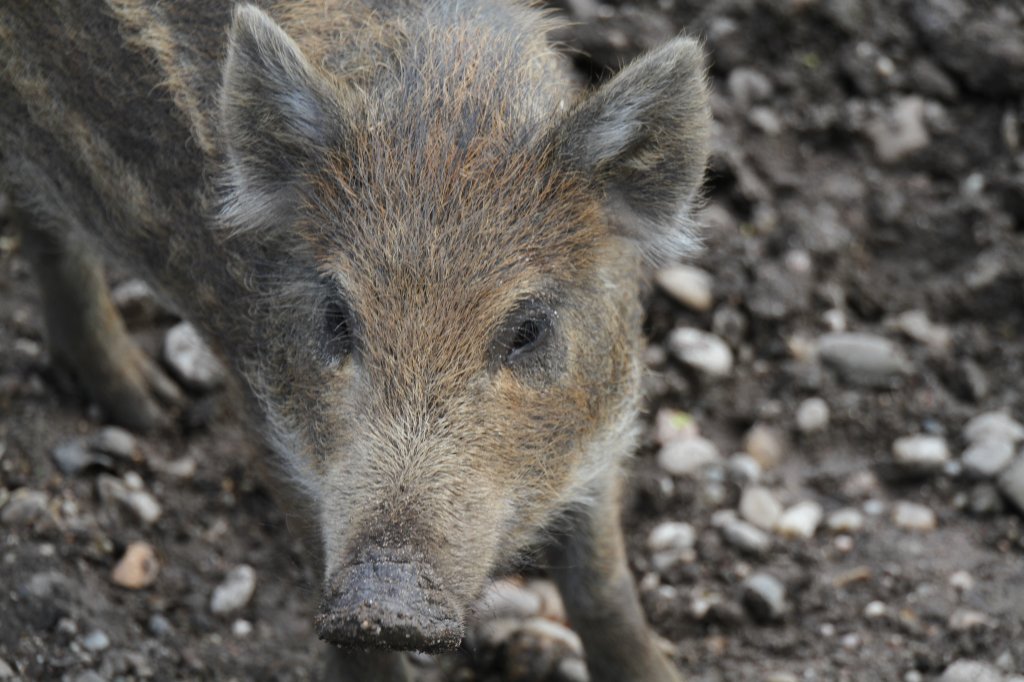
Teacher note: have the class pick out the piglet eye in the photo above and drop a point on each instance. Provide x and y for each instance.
(338, 330)
(526, 333)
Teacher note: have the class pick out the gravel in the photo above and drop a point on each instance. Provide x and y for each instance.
(913, 516)
(812, 415)
(746, 537)
(764, 596)
(986, 458)
(921, 453)
(971, 671)
(998, 426)
(1011, 483)
(688, 285)
(138, 567)
(759, 507)
(800, 521)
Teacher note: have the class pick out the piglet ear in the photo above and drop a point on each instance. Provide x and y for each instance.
(644, 137)
(278, 115)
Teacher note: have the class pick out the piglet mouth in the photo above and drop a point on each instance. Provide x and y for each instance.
(387, 603)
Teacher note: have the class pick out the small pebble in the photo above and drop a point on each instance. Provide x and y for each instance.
(1011, 483)
(701, 350)
(235, 591)
(191, 359)
(961, 581)
(843, 543)
(874, 507)
(743, 468)
(72, 457)
(966, 670)
(96, 640)
(801, 520)
(671, 543)
(159, 626)
(985, 499)
(764, 597)
(993, 426)
(921, 453)
(875, 609)
(845, 520)
(687, 284)
(764, 444)
(901, 130)
(746, 537)
(916, 325)
(6, 671)
(138, 568)
(986, 458)
(759, 507)
(913, 516)
(864, 359)
(812, 415)
(684, 457)
(968, 619)
(241, 628)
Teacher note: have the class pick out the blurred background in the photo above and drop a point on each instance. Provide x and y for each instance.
(831, 482)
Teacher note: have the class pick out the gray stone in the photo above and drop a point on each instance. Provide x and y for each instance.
(746, 537)
(113, 440)
(235, 590)
(159, 626)
(864, 359)
(744, 469)
(777, 292)
(993, 426)
(764, 596)
(900, 131)
(1011, 483)
(984, 500)
(921, 453)
(916, 325)
(986, 458)
(129, 493)
(191, 359)
(971, 671)
(684, 457)
(701, 350)
(6, 671)
(764, 444)
(671, 543)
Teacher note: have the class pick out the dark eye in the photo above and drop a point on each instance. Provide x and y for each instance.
(526, 333)
(338, 330)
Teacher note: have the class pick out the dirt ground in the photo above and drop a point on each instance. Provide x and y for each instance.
(867, 162)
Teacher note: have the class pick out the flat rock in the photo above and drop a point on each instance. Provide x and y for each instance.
(25, 507)
(864, 359)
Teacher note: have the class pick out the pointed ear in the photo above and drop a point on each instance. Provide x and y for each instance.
(644, 138)
(278, 115)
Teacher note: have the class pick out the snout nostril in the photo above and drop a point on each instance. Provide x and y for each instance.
(388, 605)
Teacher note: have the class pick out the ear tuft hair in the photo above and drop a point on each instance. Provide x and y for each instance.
(644, 138)
(278, 114)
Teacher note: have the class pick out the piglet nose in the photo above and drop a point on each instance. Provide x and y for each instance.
(385, 602)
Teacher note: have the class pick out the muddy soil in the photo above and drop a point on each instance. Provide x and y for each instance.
(868, 162)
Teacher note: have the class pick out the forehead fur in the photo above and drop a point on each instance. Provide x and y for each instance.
(444, 176)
